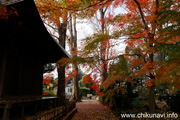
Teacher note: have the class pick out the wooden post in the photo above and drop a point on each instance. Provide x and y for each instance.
(22, 112)
(6, 112)
(3, 72)
(61, 85)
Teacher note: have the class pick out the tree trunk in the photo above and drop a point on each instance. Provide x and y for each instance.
(152, 77)
(76, 86)
(76, 80)
(152, 99)
(151, 39)
(103, 47)
(129, 90)
(61, 69)
(73, 43)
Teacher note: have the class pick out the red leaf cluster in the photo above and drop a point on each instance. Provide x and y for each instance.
(47, 78)
(45, 93)
(87, 79)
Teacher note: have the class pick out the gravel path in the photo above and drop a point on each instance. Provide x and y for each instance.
(90, 109)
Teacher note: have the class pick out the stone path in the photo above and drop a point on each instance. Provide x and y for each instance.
(90, 109)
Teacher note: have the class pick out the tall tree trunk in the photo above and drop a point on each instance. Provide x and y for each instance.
(152, 77)
(151, 54)
(152, 99)
(76, 86)
(61, 69)
(77, 95)
(104, 73)
(73, 43)
(152, 88)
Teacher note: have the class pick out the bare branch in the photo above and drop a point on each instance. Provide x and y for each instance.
(55, 36)
(142, 15)
(50, 26)
(76, 8)
(98, 3)
(157, 7)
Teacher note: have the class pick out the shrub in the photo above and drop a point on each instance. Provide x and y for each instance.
(84, 91)
(49, 94)
(141, 101)
(174, 102)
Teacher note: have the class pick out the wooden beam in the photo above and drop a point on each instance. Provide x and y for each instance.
(3, 72)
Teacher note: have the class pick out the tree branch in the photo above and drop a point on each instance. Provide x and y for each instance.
(55, 36)
(157, 7)
(98, 3)
(155, 20)
(76, 8)
(50, 26)
(142, 15)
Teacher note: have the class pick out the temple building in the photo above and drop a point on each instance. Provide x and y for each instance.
(25, 47)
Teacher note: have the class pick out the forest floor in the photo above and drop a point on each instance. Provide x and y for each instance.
(91, 109)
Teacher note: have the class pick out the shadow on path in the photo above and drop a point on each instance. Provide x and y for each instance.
(91, 109)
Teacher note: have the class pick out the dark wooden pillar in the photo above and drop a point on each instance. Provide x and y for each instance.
(2, 71)
(61, 85)
(6, 112)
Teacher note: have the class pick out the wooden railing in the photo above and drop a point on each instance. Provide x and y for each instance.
(41, 109)
(53, 114)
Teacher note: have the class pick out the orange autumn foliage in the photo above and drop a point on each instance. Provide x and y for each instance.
(45, 93)
(47, 78)
(46, 81)
(70, 74)
(95, 84)
(144, 29)
(56, 82)
(87, 79)
(3, 12)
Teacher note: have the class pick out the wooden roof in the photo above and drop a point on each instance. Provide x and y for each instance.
(26, 34)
